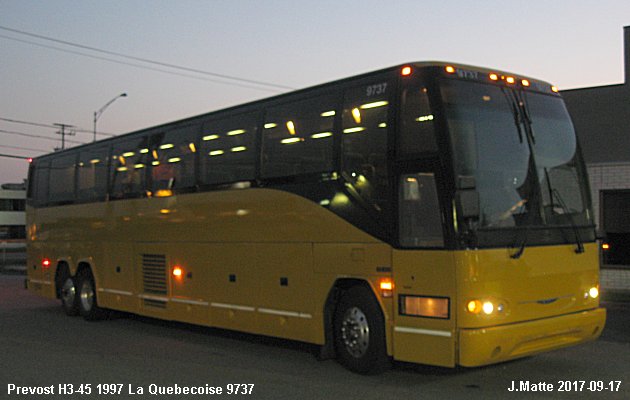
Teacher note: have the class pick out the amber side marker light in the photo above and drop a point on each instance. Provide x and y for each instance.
(386, 286)
(405, 71)
(177, 272)
(605, 246)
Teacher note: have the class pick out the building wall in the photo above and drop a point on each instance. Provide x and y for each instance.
(607, 176)
(12, 214)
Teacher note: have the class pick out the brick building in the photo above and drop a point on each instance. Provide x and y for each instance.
(601, 116)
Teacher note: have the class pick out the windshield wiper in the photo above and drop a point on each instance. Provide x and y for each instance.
(521, 247)
(515, 113)
(554, 192)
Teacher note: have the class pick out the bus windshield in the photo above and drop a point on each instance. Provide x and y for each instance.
(522, 151)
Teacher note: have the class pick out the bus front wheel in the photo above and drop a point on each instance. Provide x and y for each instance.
(360, 332)
(88, 307)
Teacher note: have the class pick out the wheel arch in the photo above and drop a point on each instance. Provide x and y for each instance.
(62, 266)
(330, 306)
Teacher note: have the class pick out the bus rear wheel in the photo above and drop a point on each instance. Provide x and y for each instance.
(68, 294)
(359, 331)
(86, 290)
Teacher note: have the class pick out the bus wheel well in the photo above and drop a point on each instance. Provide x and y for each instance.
(63, 270)
(340, 286)
(82, 266)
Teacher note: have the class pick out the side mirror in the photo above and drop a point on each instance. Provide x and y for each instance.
(468, 205)
(467, 198)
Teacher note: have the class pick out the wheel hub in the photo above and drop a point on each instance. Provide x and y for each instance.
(355, 332)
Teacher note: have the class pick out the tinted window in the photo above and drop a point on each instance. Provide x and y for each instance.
(420, 220)
(227, 152)
(298, 138)
(417, 134)
(128, 167)
(62, 169)
(364, 141)
(172, 155)
(92, 174)
(39, 186)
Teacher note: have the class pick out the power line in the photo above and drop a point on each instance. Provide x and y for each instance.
(38, 136)
(148, 61)
(14, 156)
(17, 121)
(24, 148)
(141, 66)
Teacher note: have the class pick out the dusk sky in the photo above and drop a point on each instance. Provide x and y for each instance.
(290, 43)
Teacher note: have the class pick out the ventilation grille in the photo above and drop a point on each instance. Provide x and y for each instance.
(154, 303)
(154, 274)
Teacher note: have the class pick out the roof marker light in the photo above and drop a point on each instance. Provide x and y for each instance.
(405, 71)
(493, 77)
(525, 83)
(554, 89)
(510, 80)
(450, 69)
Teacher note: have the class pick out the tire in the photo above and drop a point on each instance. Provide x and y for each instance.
(86, 295)
(359, 330)
(68, 293)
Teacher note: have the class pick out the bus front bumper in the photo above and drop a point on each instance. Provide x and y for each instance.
(496, 344)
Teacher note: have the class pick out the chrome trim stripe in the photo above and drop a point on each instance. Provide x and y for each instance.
(41, 282)
(233, 307)
(431, 332)
(194, 302)
(156, 298)
(114, 291)
(284, 313)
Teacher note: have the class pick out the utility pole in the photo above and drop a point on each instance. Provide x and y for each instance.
(63, 133)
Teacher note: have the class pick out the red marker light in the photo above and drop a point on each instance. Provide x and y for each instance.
(30, 160)
(46, 263)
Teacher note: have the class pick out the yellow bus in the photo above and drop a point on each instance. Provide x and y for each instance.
(431, 213)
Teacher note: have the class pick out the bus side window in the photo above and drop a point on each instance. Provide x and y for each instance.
(420, 222)
(227, 150)
(41, 176)
(298, 138)
(61, 184)
(128, 168)
(364, 141)
(172, 158)
(92, 174)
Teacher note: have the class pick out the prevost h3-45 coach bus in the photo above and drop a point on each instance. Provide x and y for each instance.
(430, 213)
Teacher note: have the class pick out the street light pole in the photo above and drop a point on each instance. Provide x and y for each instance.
(97, 114)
